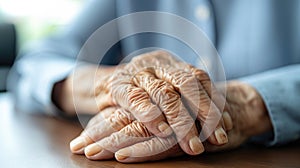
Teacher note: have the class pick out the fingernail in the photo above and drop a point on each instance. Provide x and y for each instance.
(121, 157)
(123, 154)
(164, 128)
(221, 136)
(227, 120)
(92, 150)
(196, 145)
(77, 144)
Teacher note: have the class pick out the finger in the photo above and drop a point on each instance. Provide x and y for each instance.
(77, 145)
(138, 102)
(164, 95)
(198, 101)
(227, 121)
(113, 119)
(213, 93)
(105, 148)
(219, 137)
(204, 79)
(118, 119)
(102, 115)
(235, 141)
(153, 149)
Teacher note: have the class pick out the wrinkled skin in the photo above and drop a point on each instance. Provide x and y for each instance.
(164, 94)
(130, 140)
(162, 77)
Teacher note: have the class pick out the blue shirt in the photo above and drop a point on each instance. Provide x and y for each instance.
(258, 42)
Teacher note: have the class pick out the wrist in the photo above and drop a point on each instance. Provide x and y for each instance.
(249, 108)
(80, 88)
(61, 97)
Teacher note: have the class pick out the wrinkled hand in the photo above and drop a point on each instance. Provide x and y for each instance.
(130, 141)
(165, 95)
(160, 91)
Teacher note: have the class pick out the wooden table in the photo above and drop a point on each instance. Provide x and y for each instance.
(40, 141)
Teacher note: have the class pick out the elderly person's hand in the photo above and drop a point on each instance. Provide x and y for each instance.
(119, 135)
(162, 93)
(155, 86)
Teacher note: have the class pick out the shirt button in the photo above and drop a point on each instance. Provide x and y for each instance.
(202, 13)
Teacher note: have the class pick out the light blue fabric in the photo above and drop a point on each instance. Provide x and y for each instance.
(251, 36)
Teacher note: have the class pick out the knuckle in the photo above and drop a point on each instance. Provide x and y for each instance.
(200, 74)
(136, 129)
(119, 119)
(137, 98)
(181, 79)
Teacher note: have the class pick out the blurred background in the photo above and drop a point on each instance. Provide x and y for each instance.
(22, 22)
(35, 19)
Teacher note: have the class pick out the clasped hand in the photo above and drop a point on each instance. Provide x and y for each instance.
(151, 108)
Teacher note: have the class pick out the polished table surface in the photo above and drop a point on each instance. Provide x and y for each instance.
(28, 140)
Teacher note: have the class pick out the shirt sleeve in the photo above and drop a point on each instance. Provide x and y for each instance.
(280, 90)
(51, 60)
(31, 81)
